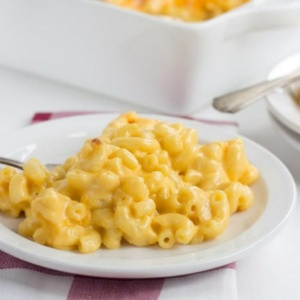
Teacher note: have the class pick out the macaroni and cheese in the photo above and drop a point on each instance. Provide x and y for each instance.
(186, 10)
(143, 182)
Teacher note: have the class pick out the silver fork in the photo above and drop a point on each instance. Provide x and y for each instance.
(19, 165)
(240, 99)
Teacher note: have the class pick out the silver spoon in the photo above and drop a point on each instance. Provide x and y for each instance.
(18, 164)
(240, 99)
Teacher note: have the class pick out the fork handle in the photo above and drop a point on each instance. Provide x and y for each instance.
(11, 162)
(240, 99)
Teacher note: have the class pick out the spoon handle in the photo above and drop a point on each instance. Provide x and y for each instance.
(240, 99)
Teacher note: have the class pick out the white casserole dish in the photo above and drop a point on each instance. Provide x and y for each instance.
(163, 64)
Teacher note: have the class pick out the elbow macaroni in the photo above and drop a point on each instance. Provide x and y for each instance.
(185, 10)
(142, 181)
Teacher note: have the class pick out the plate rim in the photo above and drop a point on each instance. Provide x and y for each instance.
(282, 68)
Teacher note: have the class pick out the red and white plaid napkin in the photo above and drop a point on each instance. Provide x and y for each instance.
(22, 280)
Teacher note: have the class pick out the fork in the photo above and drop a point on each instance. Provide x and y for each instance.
(240, 99)
(18, 164)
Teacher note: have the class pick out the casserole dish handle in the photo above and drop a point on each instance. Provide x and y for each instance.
(263, 18)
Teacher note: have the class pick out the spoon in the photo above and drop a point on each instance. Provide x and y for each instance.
(240, 99)
(18, 164)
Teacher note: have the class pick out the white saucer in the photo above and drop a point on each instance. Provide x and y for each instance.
(280, 103)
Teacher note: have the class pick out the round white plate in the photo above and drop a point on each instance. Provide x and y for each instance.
(53, 141)
(280, 103)
(292, 137)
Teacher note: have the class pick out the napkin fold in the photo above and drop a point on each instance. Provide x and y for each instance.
(23, 280)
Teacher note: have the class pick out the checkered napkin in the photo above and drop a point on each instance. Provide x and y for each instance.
(22, 280)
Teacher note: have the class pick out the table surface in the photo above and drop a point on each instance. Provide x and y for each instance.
(271, 272)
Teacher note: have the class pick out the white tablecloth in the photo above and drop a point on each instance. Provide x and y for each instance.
(269, 273)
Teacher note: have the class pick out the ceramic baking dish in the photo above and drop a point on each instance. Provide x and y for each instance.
(163, 64)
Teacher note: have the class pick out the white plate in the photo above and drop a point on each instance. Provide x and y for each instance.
(53, 141)
(280, 103)
(290, 136)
